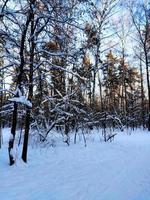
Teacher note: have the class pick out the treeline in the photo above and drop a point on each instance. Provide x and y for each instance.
(61, 69)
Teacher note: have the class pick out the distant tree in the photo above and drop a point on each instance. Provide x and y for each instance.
(111, 83)
(96, 33)
(141, 20)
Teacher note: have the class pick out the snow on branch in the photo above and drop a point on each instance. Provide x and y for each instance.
(22, 100)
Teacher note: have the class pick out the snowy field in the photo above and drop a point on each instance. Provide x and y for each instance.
(101, 171)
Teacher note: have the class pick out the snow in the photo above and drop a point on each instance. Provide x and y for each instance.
(119, 170)
(21, 99)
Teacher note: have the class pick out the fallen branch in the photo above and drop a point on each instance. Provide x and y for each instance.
(111, 137)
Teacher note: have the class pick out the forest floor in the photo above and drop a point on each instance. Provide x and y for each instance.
(119, 170)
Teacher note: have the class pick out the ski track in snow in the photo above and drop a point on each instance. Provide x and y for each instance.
(101, 171)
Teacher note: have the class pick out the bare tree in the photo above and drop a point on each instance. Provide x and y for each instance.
(141, 20)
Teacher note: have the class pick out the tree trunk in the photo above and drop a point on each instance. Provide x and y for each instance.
(142, 94)
(26, 135)
(19, 86)
(148, 84)
(95, 72)
(100, 91)
(30, 95)
(12, 137)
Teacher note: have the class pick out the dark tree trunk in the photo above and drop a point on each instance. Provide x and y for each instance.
(148, 83)
(19, 85)
(142, 94)
(30, 95)
(13, 132)
(26, 135)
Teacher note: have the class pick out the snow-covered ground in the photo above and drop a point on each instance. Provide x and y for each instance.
(101, 171)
